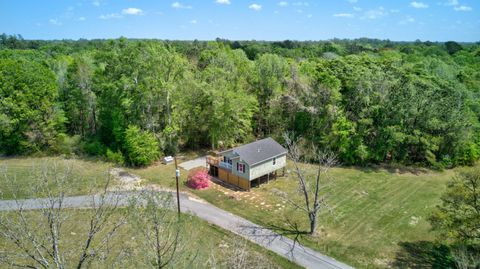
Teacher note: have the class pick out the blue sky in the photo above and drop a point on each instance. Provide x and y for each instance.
(435, 20)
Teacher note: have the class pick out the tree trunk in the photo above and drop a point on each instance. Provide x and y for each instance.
(313, 222)
(94, 120)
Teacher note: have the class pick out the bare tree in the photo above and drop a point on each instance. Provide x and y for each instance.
(160, 228)
(313, 201)
(237, 255)
(37, 238)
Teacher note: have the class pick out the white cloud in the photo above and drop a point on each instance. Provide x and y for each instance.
(462, 8)
(456, 5)
(55, 22)
(309, 16)
(110, 16)
(96, 3)
(452, 3)
(357, 9)
(352, 1)
(255, 7)
(344, 15)
(283, 3)
(415, 4)
(373, 14)
(82, 19)
(305, 4)
(407, 20)
(180, 6)
(223, 2)
(132, 11)
(193, 21)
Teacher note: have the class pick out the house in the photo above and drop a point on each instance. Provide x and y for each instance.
(248, 165)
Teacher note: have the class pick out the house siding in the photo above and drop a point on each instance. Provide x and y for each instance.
(266, 167)
(246, 174)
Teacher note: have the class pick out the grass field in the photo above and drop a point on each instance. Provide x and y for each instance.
(20, 176)
(209, 244)
(376, 211)
(379, 214)
(201, 245)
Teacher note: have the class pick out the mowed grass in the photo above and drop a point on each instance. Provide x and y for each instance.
(21, 177)
(164, 175)
(374, 211)
(201, 245)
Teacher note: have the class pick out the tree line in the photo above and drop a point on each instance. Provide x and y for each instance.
(369, 101)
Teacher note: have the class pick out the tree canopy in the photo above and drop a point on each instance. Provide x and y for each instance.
(369, 101)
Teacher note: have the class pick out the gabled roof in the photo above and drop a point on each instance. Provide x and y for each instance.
(259, 151)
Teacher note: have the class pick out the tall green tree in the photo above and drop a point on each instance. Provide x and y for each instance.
(30, 119)
(458, 217)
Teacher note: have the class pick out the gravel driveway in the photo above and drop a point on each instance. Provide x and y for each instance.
(198, 162)
(301, 255)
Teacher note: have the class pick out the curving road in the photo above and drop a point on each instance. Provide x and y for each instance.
(281, 245)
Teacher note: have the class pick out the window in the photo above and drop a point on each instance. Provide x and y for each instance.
(274, 161)
(241, 167)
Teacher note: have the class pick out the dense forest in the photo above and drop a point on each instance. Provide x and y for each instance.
(131, 101)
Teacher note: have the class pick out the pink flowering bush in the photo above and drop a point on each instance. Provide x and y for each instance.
(198, 179)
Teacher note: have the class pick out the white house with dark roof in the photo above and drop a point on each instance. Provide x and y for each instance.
(245, 164)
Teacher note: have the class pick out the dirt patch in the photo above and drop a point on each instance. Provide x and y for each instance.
(127, 181)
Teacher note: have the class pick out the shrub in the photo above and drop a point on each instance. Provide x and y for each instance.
(94, 148)
(141, 146)
(198, 179)
(115, 157)
(66, 145)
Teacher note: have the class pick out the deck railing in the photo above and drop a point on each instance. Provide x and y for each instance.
(212, 160)
(218, 161)
(225, 165)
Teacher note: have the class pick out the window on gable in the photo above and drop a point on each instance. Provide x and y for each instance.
(274, 161)
(241, 167)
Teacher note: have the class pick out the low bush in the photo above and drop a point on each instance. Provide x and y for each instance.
(94, 148)
(66, 145)
(198, 179)
(115, 157)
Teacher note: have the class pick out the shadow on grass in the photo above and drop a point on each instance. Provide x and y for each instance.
(423, 254)
(394, 169)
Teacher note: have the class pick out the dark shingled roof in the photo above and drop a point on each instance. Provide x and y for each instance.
(259, 151)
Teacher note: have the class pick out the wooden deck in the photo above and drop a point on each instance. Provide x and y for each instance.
(225, 175)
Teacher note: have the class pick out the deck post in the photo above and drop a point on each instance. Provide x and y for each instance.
(268, 177)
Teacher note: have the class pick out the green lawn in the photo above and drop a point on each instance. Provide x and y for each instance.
(20, 176)
(375, 211)
(201, 245)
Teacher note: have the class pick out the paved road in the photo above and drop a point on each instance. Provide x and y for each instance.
(281, 245)
(198, 162)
